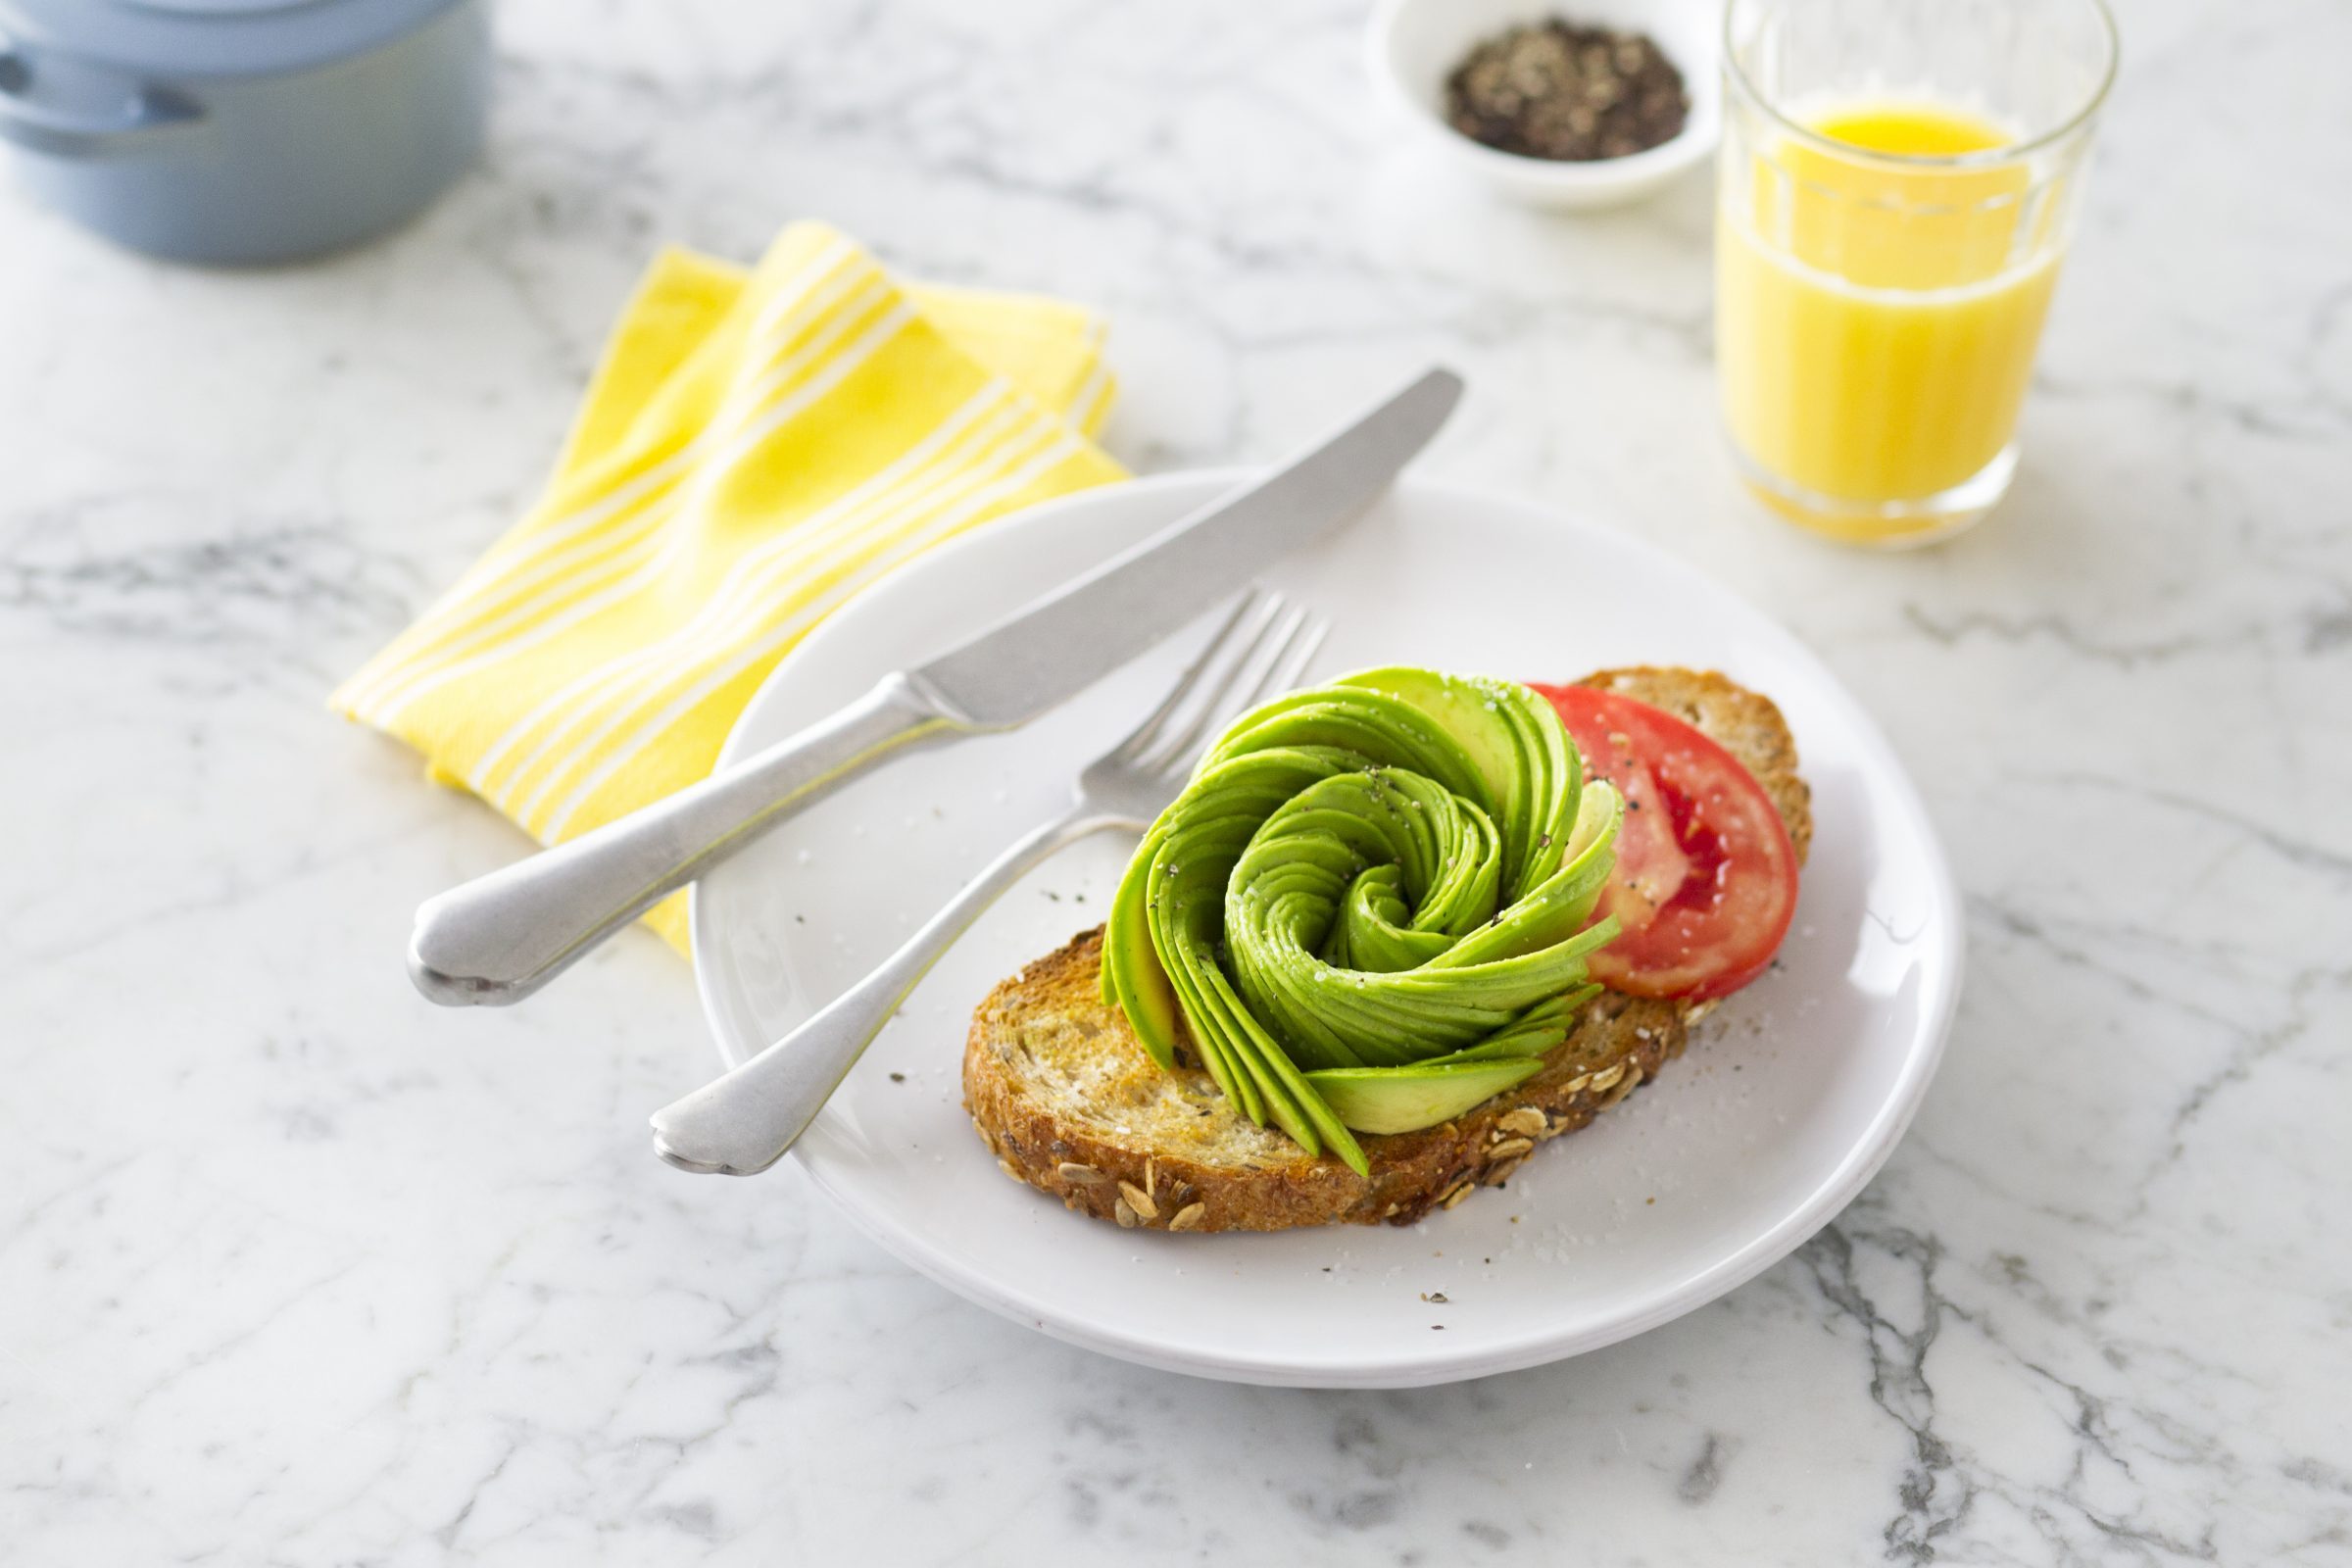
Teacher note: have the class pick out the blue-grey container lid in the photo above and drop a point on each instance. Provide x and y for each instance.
(211, 39)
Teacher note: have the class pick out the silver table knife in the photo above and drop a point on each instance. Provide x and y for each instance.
(501, 937)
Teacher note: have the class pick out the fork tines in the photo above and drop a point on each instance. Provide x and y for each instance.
(1262, 649)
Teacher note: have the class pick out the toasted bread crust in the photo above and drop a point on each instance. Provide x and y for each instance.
(1064, 1095)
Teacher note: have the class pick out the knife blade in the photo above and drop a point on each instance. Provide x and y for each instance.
(1057, 646)
(501, 937)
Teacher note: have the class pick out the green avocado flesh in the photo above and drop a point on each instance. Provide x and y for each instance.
(1404, 1099)
(1367, 910)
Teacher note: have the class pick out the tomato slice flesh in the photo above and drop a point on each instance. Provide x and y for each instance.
(1706, 884)
(1652, 865)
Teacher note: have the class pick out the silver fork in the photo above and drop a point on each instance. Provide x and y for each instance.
(742, 1123)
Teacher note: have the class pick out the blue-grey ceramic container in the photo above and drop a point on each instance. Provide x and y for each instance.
(234, 131)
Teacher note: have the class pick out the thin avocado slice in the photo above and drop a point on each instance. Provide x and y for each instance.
(1133, 980)
(1404, 1099)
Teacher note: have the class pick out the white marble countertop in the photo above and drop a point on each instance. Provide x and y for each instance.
(295, 1269)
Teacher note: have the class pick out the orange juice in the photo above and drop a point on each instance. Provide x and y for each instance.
(1876, 319)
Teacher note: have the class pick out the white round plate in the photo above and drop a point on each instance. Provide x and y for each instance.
(1785, 1104)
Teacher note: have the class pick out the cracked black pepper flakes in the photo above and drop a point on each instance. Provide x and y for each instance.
(1556, 89)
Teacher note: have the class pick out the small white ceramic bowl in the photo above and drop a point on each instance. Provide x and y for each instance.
(1413, 45)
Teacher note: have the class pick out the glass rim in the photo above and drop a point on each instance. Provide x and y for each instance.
(1984, 158)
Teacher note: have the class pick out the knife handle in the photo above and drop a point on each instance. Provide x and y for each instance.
(499, 938)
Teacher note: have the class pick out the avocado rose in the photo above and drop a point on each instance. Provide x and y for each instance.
(1368, 908)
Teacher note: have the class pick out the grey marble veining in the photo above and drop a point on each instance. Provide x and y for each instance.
(296, 1270)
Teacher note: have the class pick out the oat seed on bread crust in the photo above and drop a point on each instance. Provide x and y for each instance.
(1064, 1096)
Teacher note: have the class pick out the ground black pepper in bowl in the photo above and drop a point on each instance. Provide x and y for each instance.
(1556, 89)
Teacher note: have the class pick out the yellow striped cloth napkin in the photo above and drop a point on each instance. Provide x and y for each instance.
(755, 448)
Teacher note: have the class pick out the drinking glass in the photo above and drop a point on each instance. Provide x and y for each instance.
(1895, 188)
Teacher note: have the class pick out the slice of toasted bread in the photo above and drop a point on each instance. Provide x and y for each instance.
(1064, 1095)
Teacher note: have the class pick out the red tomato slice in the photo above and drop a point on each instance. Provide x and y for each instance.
(1705, 883)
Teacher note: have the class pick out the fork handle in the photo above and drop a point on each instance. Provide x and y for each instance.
(742, 1123)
